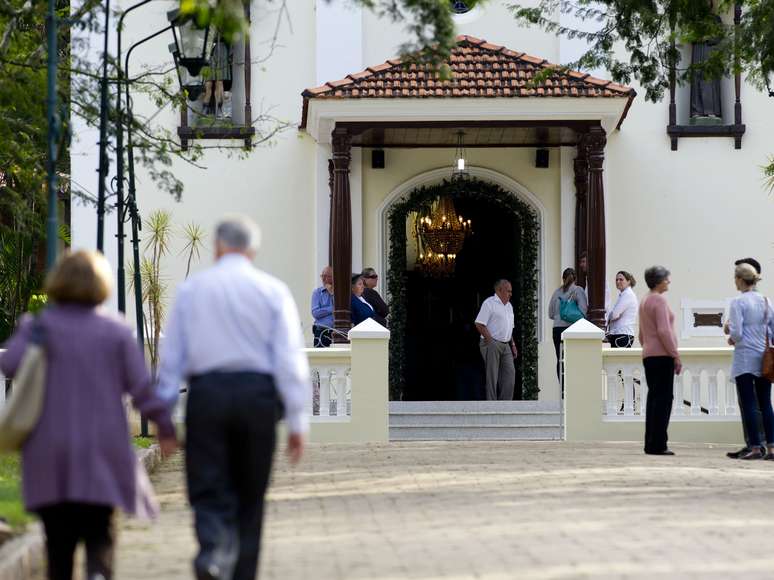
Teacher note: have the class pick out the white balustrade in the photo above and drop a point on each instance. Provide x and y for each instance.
(331, 383)
(703, 391)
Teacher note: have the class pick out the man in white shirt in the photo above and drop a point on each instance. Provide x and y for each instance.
(234, 334)
(495, 324)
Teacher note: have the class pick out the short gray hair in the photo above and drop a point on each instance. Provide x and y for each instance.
(238, 233)
(655, 275)
(500, 283)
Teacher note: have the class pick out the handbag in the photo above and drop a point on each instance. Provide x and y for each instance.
(569, 311)
(22, 410)
(767, 368)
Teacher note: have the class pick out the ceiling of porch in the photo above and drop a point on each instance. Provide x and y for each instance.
(474, 136)
(407, 134)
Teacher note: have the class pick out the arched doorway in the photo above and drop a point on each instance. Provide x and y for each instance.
(434, 345)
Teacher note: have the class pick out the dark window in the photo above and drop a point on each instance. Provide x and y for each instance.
(459, 6)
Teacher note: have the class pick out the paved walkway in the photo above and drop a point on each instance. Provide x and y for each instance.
(490, 510)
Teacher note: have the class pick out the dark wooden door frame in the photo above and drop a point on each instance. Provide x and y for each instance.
(589, 214)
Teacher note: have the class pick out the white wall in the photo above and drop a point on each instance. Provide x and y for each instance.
(694, 210)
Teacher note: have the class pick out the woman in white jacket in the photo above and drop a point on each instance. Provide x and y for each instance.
(622, 319)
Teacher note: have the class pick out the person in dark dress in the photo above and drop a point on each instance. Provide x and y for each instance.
(381, 310)
(361, 310)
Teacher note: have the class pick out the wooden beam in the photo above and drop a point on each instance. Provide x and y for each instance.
(467, 146)
(357, 127)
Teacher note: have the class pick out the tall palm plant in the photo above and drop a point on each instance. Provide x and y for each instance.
(155, 285)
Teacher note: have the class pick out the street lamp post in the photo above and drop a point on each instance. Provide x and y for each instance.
(120, 209)
(134, 214)
(103, 123)
(195, 64)
(52, 224)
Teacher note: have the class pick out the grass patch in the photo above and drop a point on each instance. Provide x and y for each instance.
(11, 507)
(143, 442)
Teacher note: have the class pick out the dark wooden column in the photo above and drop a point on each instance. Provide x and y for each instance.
(330, 212)
(596, 227)
(341, 231)
(581, 166)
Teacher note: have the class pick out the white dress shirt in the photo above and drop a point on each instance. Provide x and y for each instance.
(497, 317)
(623, 317)
(233, 317)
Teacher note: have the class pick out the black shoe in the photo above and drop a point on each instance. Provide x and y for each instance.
(210, 572)
(754, 454)
(664, 452)
(738, 454)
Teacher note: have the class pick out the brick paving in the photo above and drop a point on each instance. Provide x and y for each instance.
(490, 510)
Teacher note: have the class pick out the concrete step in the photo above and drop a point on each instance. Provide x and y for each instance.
(476, 433)
(482, 418)
(475, 420)
(473, 406)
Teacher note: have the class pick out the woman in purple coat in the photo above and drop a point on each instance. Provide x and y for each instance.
(78, 464)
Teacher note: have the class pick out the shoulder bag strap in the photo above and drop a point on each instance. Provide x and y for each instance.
(766, 320)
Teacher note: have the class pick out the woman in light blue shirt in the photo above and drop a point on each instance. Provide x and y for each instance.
(748, 324)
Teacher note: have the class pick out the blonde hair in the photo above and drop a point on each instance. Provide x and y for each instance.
(81, 277)
(747, 274)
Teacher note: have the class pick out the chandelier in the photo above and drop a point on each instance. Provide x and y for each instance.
(440, 236)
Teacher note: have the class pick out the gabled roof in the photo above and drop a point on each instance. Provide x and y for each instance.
(479, 70)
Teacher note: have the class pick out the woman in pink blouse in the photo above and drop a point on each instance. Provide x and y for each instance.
(660, 358)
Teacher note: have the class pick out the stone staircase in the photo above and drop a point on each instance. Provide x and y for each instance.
(475, 420)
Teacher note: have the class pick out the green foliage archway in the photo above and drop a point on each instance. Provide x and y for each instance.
(526, 315)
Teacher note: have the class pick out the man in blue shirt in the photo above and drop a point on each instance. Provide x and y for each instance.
(322, 309)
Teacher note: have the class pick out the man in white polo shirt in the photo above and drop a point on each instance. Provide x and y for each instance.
(495, 324)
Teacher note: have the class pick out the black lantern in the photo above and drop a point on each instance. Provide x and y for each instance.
(190, 42)
(192, 85)
(460, 169)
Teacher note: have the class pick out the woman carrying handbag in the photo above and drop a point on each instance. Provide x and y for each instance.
(750, 326)
(568, 304)
(78, 464)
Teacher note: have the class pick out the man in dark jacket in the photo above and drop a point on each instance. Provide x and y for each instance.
(381, 310)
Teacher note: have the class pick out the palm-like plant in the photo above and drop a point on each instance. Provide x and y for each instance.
(194, 235)
(768, 175)
(155, 286)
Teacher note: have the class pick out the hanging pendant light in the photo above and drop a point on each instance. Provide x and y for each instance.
(460, 170)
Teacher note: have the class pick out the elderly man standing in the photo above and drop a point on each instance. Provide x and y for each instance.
(381, 310)
(234, 334)
(495, 324)
(322, 309)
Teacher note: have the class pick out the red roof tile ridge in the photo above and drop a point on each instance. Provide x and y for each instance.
(470, 39)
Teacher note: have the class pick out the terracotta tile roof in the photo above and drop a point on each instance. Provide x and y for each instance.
(479, 69)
